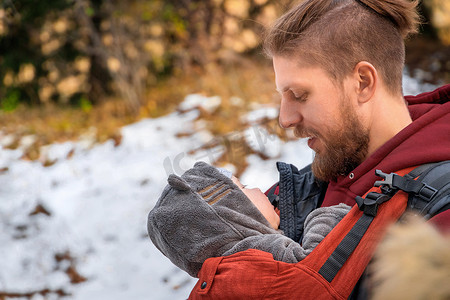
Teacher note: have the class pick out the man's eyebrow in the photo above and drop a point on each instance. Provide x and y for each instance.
(287, 88)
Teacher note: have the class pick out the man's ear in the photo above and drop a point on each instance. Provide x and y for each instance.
(367, 79)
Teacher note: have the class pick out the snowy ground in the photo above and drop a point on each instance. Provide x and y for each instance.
(95, 202)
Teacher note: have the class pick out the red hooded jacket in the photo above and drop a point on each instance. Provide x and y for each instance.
(253, 273)
(425, 140)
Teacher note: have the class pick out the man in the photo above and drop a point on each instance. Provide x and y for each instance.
(338, 67)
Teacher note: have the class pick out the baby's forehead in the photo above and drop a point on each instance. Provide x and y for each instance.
(237, 182)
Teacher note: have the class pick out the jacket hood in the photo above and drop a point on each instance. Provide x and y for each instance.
(425, 140)
(202, 214)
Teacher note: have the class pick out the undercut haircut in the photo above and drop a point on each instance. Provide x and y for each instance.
(338, 34)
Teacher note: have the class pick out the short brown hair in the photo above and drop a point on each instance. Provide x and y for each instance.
(337, 34)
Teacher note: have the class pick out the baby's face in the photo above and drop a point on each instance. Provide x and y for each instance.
(261, 202)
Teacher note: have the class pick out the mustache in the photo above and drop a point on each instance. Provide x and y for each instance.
(303, 132)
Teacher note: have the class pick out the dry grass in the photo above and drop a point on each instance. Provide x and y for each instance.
(249, 80)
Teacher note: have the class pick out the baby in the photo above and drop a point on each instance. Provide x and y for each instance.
(208, 213)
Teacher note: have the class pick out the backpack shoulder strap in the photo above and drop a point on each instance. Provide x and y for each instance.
(428, 187)
(436, 176)
(395, 186)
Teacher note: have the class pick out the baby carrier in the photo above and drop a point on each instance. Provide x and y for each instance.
(334, 267)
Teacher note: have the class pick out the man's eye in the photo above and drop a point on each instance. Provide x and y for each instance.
(300, 98)
(297, 97)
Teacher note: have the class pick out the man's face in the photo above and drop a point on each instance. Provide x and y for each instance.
(320, 110)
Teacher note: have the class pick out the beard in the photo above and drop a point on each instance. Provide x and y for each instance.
(345, 147)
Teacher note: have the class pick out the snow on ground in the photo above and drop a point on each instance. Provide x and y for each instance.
(97, 200)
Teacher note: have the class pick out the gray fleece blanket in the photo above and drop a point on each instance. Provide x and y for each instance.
(203, 214)
(317, 225)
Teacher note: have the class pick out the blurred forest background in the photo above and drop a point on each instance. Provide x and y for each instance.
(86, 67)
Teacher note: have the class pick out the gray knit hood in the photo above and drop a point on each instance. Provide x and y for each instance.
(202, 214)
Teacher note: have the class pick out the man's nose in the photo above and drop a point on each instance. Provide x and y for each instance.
(289, 114)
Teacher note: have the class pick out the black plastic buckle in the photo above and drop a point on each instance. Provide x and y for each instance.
(427, 192)
(388, 179)
(370, 204)
(395, 182)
